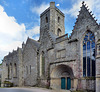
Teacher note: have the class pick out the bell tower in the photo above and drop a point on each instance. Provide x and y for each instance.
(52, 19)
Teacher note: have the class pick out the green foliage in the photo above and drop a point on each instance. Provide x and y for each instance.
(1, 64)
(8, 84)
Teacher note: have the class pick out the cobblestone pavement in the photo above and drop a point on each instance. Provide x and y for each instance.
(31, 89)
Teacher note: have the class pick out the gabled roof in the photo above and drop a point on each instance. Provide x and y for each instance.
(34, 43)
(84, 14)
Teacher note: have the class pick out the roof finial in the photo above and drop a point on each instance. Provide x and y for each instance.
(83, 3)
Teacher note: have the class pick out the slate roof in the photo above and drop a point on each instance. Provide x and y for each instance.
(52, 36)
(34, 43)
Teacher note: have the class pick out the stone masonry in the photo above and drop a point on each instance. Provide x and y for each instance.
(57, 60)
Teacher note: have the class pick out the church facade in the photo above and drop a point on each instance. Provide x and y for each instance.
(56, 60)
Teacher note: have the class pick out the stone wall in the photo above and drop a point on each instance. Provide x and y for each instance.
(29, 64)
(11, 67)
(0, 73)
(37, 62)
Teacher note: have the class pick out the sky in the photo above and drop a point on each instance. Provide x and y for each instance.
(20, 19)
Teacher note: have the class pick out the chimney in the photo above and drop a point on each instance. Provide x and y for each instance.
(52, 4)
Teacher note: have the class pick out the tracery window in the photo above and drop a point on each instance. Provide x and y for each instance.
(89, 55)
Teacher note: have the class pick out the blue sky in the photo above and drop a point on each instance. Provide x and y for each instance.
(21, 18)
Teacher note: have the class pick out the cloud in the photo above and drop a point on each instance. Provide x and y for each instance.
(57, 5)
(39, 9)
(36, 38)
(34, 30)
(13, 34)
(94, 5)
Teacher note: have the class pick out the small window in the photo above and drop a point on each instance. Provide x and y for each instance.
(15, 70)
(58, 19)
(30, 69)
(46, 19)
(26, 70)
(99, 47)
(58, 32)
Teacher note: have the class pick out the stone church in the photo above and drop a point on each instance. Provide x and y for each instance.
(56, 60)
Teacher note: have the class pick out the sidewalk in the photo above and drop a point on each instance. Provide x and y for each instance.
(38, 89)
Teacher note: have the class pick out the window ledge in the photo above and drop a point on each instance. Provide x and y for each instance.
(98, 56)
(14, 77)
(90, 78)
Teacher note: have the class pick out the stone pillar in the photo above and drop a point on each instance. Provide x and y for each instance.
(75, 84)
(20, 67)
(98, 74)
(98, 83)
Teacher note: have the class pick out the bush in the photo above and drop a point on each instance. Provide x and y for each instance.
(8, 84)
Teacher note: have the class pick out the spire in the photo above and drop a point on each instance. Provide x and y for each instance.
(84, 15)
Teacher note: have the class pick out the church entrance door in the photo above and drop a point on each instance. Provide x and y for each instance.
(63, 83)
(61, 77)
(68, 83)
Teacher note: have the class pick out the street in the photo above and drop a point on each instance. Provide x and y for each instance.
(31, 89)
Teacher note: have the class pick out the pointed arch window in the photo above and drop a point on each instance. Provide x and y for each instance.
(42, 64)
(7, 67)
(15, 70)
(30, 69)
(10, 70)
(26, 70)
(89, 55)
(58, 19)
(46, 19)
(58, 32)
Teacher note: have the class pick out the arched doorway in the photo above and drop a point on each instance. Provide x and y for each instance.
(61, 77)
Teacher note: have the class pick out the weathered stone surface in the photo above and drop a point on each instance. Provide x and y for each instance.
(55, 55)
